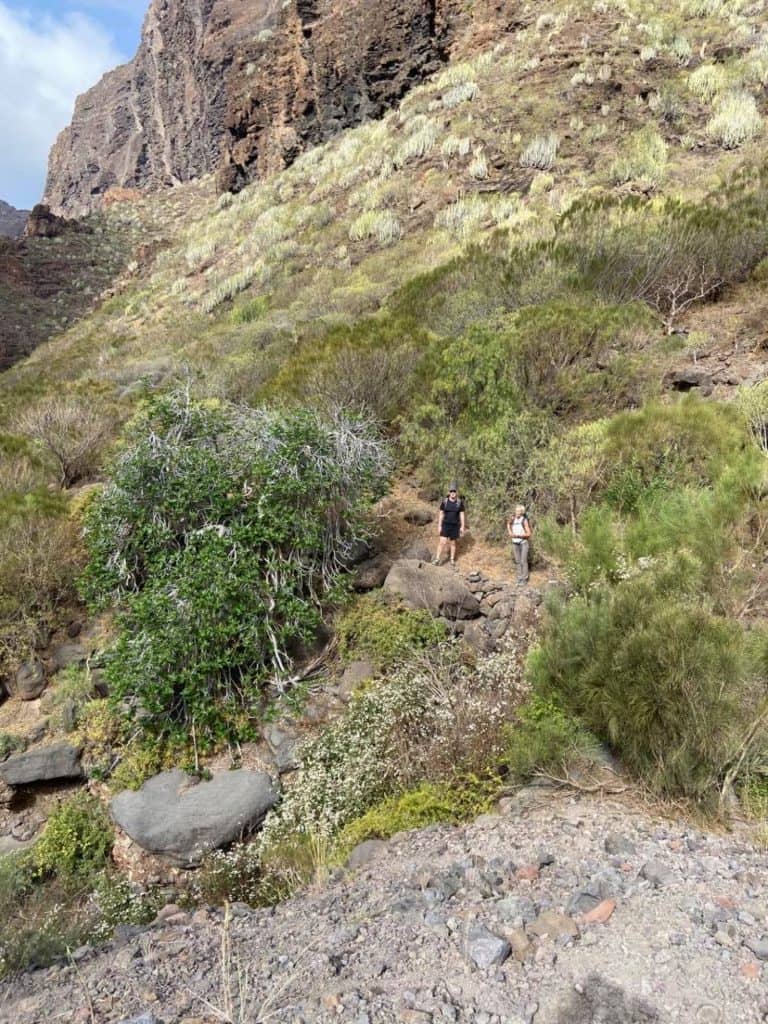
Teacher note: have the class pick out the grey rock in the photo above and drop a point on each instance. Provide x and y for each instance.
(498, 628)
(283, 742)
(418, 551)
(478, 637)
(355, 674)
(181, 819)
(656, 873)
(69, 654)
(43, 764)
(30, 680)
(145, 1018)
(484, 948)
(688, 379)
(502, 610)
(759, 947)
(10, 845)
(516, 910)
(430, 587)
(619, 846)
(365, 852)
(370, 575)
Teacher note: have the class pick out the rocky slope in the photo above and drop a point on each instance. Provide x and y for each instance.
(243, 88)
(12, 221)
(559, 910)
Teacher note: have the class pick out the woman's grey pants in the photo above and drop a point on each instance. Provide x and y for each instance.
(520, 554)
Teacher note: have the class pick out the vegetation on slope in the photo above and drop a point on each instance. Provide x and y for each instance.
(497, 274)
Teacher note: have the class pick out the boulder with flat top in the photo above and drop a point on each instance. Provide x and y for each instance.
(433, 588)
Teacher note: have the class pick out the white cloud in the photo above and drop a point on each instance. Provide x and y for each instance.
(44, 64)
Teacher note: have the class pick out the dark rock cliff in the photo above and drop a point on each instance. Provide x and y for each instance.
(241, 87)
(12, 221)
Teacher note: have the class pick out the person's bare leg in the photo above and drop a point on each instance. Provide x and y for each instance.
(440, 548)
(453, 552)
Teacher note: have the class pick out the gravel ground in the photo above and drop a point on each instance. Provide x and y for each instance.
(562, 909)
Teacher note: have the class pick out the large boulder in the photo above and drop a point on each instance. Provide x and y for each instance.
(430, 587)
(30, 680)
(43, 764)
(179, 818)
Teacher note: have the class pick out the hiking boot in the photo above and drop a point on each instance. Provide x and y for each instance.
(436, 561)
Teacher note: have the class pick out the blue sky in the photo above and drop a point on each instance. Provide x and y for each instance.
(50, 51)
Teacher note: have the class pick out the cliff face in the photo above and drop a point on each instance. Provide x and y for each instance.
(243, 86)
(12, 221)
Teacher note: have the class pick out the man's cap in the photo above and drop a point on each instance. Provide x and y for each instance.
(452, 487)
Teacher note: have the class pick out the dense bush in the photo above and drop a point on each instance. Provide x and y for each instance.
(371, 368)
(433, 719)
(76, 840)
(220, 533)
(677, 691)
(686, 444)
(382, 631)
(424, 805)
(496, 396)
(545, 739)
(669, 254)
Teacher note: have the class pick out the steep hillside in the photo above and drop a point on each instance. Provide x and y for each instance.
(542, 274)
(12, 221)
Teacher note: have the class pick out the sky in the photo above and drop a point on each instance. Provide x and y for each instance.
(50, 52)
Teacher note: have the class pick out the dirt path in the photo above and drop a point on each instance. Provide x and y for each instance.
(475, 554)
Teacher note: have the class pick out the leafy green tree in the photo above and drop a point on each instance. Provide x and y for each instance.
(219, 536)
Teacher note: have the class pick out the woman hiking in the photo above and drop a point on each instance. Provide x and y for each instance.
(519, 529)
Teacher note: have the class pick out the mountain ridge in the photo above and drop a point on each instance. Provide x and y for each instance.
(241, 89)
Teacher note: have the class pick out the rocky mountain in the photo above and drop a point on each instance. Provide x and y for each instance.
(242, 88)
(12, 221)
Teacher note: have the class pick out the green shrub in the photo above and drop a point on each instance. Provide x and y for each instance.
(45, 924)
(494, 396)
(220, 534)
(669, 255)
(427, 804)
(644, 158)
(66, 703)
(250, 311)
(676, 690)
(432, 719)
(545, 740)
(372, 367)
(736, 119)
(76, 840)
(119, 902)
(383, 632)
(10, 744)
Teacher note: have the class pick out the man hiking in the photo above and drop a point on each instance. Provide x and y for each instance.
(519, 529)
(451, 525)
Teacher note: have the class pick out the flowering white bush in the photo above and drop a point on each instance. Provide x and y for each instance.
(433, 718)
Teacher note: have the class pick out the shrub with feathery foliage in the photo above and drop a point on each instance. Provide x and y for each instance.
(677, 690)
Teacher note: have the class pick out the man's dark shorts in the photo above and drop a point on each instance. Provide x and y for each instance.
(450, 530)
